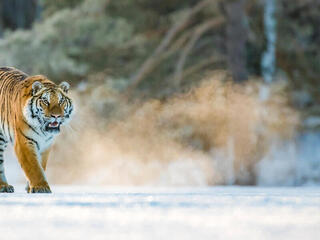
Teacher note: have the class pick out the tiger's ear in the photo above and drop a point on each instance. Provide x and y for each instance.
(36, 86)
(64, 86)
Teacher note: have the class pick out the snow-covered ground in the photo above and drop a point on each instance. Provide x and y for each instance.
(75, 212)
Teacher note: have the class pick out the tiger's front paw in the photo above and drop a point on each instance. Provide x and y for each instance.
(39, 189)
(6, 188)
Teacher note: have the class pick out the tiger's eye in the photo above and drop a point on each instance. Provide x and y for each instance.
(44, 101)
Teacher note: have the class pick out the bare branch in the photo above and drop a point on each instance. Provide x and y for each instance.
(188, 48)
(206, 62)
(152, 61)
(176, 45)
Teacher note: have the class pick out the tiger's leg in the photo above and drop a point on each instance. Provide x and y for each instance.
(28, 158)
(44, 160)
(4, 186)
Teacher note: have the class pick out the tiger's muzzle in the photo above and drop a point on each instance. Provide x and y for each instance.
(53, 123)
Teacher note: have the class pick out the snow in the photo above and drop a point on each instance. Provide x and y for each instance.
(75, 212)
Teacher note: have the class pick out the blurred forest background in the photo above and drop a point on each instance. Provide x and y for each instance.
(172, 92)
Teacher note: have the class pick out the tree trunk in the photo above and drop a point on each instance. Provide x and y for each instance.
(236, 38)
(18, 13)
(1, 25)
(268, 62)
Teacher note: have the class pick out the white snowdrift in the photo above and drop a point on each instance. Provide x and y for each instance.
(174, 213)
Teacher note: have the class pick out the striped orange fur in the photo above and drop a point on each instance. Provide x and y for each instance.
(32, 109)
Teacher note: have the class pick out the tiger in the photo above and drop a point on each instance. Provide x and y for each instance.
(32, 109)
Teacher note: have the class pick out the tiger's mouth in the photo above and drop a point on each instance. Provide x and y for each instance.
(53, 126)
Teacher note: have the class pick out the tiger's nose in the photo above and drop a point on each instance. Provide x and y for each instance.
(56, 116)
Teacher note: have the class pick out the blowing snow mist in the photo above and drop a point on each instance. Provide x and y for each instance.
(218, 133)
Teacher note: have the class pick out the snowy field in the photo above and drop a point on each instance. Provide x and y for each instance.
(152, 213)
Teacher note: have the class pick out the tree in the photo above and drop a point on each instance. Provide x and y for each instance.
(236, 37)
(268, 62)
(18, 13)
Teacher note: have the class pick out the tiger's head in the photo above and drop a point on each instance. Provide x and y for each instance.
(49, 107)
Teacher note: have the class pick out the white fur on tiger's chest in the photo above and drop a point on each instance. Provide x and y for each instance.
(43, 142)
